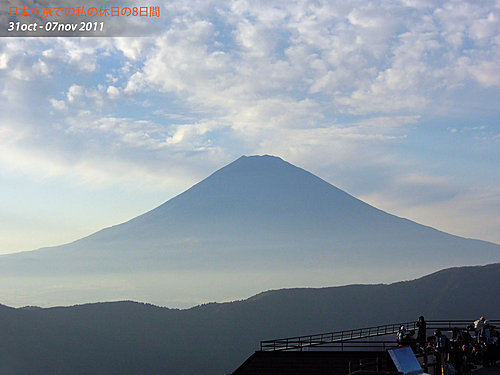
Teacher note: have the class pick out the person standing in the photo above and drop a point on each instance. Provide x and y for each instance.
(422, 331)
(478, 327)
(442, 347)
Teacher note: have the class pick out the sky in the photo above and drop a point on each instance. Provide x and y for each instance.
(395, 102)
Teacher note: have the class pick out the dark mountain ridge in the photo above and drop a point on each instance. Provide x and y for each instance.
(128, 338)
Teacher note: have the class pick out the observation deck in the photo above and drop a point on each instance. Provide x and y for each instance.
(360, 350)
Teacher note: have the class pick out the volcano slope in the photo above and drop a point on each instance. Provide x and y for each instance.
(255, 224)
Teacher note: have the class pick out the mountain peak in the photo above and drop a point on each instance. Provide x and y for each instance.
(261, 158)
(263, 180)
(257, 161)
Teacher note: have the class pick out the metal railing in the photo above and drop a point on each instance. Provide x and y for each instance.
(300, 342)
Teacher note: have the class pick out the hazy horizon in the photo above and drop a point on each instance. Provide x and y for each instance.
(176, 291)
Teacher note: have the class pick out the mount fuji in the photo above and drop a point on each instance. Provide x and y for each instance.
(255, 224)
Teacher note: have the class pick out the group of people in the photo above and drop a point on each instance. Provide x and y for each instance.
(477, 344)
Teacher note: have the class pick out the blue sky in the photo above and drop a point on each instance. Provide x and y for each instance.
(396, 102)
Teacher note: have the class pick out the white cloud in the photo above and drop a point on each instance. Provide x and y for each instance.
(113, 92)
(485, 27)
(88, 98)
(111, 78)
(74, 92)
(4, 61)
(487, 73)
(265, 65)
(419, 179)
(78, 155)
(132, 48)
(362, 57)
(58, 104)
(135, 84)
(42, 68)
(80, 54)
